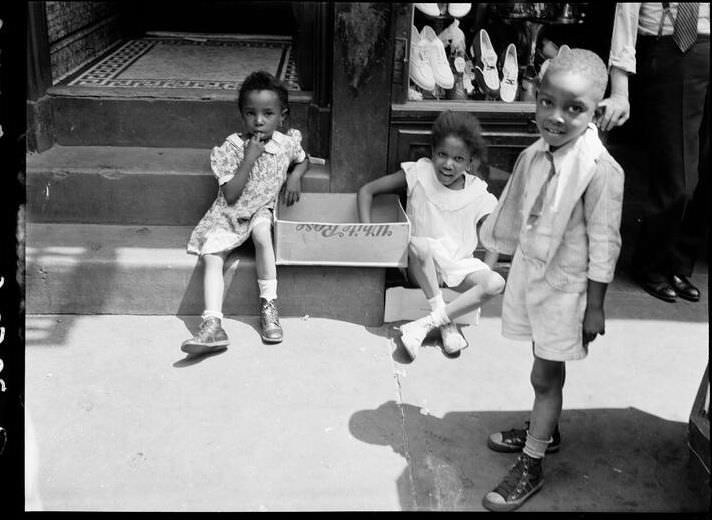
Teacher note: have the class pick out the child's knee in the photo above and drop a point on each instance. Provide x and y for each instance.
(419, 249)
(262, 236)
(494, 284)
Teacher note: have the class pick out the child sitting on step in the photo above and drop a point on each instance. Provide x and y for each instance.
(446, 204)
(559, 215)
(251, 169)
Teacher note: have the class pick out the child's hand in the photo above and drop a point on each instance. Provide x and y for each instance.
(255, 147)
(593, 324)
(292, 189)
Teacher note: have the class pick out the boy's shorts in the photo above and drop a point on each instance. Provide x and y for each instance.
(532, 310)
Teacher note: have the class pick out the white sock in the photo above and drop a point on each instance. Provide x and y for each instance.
(212, 314)
(268, 289)
(439, 317)
(436, 302)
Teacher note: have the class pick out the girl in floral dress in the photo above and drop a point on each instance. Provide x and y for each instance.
(251, 169)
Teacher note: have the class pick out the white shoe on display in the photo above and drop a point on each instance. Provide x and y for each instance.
(485, 62)
(420, 71)
(510, 73)
(429, 9)
(453, 36)
(434, 53)
(458, 10)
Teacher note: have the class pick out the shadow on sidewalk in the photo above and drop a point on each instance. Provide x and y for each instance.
(610, 459)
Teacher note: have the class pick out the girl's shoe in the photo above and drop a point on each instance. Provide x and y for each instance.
(420, 71)
(523, 480)
(512, 441)
(269, 321)
(434, 53)
(210, 338)
(453, 341)
(458, 10)
(485, 62)
(510, 72)
(413, 334)
(429, 9)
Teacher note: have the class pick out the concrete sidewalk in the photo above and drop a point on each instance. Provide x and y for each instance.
(335, 417)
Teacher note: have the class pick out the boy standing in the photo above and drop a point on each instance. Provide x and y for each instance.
(559, 215)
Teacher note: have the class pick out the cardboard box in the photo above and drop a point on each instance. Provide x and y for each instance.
(324, 229)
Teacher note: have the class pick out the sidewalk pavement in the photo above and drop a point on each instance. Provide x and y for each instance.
(336, 418)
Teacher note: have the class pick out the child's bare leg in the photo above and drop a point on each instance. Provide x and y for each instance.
(547, 379)
(266, 281)
(264, 251)
(475, 289)
(211, 337)
(421, 266)
(213, 282)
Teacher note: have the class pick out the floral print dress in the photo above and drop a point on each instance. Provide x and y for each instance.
(226, 226)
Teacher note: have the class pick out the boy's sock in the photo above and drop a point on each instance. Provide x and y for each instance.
(268, 289)
(534, 447)
(212, 314)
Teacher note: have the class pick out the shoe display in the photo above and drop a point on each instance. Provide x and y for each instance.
(512, 441)
(453, 341)
(420, 71)
(523, 480)
(458, 10)
(510, 72)
(684, 288)
(434, 52)
(658, 286)
(453, 37)
(429, 9)
(485, 62)
(269, 321)
(210, 338)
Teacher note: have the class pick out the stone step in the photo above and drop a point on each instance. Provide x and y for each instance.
(129, 185)
(145, 270)
(104, 116)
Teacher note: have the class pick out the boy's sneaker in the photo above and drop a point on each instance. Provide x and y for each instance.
(210, 338)
(513, 440)
(523, 480)
(269, 321)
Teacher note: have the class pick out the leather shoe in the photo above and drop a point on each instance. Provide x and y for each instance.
(684, 288)
(658, 287)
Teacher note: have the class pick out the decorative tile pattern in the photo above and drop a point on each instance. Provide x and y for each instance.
(137, 63)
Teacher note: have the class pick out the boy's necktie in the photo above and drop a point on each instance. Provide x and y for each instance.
(685, 28)
(538, 205)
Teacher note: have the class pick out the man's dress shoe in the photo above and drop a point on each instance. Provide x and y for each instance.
(658, 287)
(684, 288)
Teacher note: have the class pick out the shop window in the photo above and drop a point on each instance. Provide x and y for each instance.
(490, 52)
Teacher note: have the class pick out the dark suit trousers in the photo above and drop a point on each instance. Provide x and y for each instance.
(673, 107)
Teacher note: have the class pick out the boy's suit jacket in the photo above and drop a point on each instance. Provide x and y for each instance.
(587, 174)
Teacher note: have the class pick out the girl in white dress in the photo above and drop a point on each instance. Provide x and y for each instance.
(446, 205)
(251, 169)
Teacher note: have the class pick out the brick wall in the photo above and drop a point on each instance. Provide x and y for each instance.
(78, 32)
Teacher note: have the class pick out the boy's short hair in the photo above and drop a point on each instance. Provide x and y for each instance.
(584, 62)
